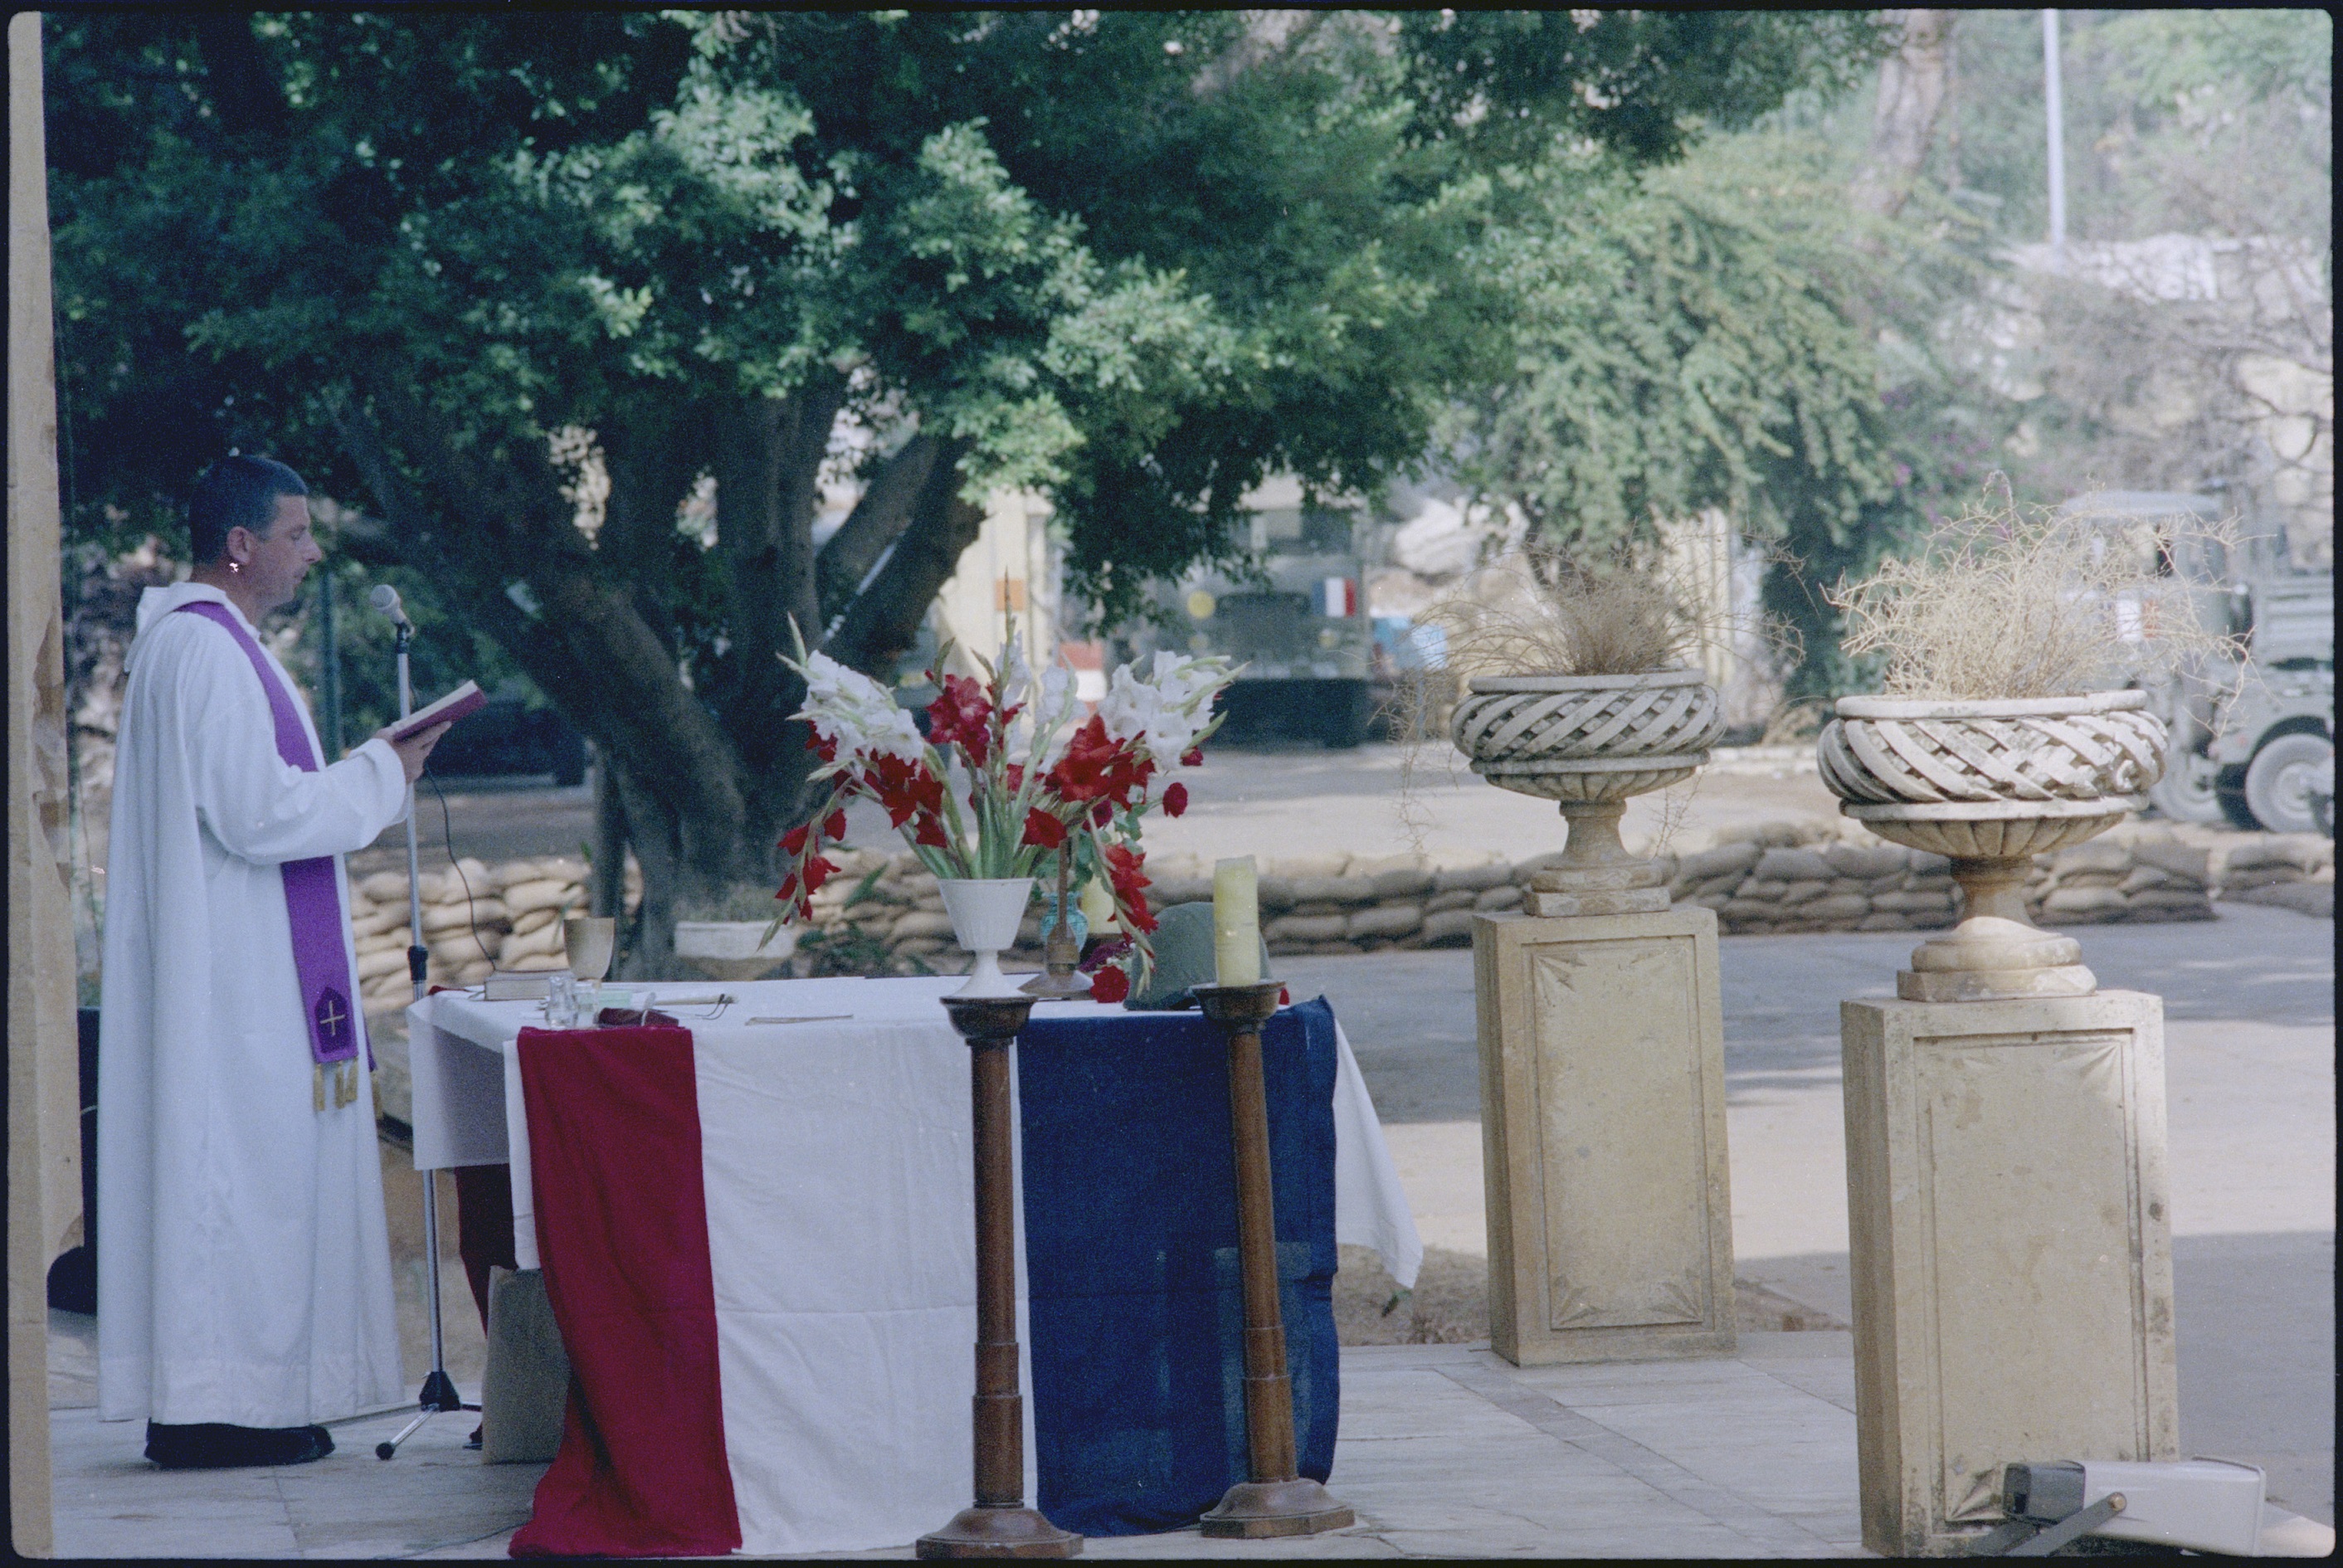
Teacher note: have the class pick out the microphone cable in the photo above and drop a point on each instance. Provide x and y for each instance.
(448, 830)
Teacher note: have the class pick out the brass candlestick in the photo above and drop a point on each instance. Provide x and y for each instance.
(999, 1524)
(1277, 1500)
(1060, 953)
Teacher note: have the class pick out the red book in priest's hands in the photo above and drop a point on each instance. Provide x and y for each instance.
(465, 699)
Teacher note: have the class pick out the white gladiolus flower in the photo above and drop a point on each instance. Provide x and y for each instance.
(1016, 677)
(857, 712)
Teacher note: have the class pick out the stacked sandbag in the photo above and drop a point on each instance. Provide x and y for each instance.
(537, 895)
(2132, 876)
(476, 919)
(2295, 870)
(378, 921)
(1788, 878)
(1810, 875)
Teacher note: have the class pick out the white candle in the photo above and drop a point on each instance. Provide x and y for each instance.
(1098, 907)
(1236, 922)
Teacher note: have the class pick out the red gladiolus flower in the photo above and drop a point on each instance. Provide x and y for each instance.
(904, 789)
(1043, 830)
(1122, 869)
(818, 871)
(833, 826)
(1109, 984)
(1102, 814)
(1096, 766)
(1175, 800)
(961, 714)
(1016, 774)
(793, 842)
(931, 831)
(789, 886)
(825, 747)
(1192, 757)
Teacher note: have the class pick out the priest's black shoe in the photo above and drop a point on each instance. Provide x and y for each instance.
(213, 1445)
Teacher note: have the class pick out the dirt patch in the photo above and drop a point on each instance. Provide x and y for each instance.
(1450, 1303)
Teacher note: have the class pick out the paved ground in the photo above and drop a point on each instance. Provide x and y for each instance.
(1446, 1451)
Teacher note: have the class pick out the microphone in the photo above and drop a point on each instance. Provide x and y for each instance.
(384, 599)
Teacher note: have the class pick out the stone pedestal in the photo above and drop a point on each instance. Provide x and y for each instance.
(2011, 1249)
(1603, 1136)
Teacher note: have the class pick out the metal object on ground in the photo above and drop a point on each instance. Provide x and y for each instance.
(999, 1524)
(1278, 1499)
(2199, 1504)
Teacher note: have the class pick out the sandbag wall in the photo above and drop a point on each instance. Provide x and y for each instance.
(476, 917)
(1806, 875)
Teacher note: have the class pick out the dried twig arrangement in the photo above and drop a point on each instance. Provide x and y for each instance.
(1547, 612)
(2008, 602)
(1550, 614)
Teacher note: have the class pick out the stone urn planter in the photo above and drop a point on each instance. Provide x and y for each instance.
(1589, 743)
(1990, 785)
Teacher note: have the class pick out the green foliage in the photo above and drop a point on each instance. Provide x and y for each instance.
(1724, 332)
(1638, 83)
(2204, 120)
(1139, 260)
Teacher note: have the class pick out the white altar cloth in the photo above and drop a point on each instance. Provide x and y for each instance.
(468, 1101)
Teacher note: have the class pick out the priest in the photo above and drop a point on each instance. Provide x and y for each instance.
(244, 1292)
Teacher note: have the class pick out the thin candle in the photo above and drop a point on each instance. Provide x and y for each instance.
(1236, 922)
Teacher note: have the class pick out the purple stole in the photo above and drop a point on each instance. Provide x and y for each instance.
(313, 897)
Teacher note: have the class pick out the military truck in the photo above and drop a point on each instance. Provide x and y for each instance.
(1303, 636)
(2245, 738)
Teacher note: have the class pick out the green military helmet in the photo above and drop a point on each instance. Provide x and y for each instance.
(1185, 958)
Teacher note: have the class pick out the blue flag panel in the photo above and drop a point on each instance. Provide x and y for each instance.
(1131, 1248)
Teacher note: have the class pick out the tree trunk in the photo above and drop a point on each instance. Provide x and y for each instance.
(1912, 83)
(700, 783)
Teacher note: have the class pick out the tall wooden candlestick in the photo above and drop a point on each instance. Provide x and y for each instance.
(999, 1524)
(1277, 1500)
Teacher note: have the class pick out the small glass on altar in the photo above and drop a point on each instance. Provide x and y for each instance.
(561, 1000)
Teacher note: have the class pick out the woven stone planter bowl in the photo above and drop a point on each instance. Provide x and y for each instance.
(1990, 785)
(1589, 743)
(1588, 737)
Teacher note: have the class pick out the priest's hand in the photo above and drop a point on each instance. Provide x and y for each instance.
(415, 748)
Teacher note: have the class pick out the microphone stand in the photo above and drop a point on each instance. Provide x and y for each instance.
(439, 1389)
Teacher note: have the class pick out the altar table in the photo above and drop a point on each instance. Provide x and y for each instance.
(829, 1164)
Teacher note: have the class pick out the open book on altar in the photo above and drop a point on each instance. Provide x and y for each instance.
(466, 699)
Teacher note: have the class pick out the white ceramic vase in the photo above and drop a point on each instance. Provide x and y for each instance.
(985, 914)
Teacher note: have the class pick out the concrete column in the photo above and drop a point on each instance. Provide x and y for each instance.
(44, 1090)
(2011, 1248)
(1603, 1136)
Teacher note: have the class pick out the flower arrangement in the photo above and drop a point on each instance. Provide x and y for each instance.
(1038, 781)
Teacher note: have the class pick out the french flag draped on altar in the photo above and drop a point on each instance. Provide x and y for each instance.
(730, 1394)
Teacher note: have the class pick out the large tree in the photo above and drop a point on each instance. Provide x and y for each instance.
(1134, 259)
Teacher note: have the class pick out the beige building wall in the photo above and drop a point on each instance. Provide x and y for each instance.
(1010, 572)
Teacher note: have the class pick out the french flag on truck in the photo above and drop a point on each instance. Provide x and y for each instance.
(1335, 597)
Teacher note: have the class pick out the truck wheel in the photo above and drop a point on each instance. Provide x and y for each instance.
(2186, 795)
(2278, 783)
